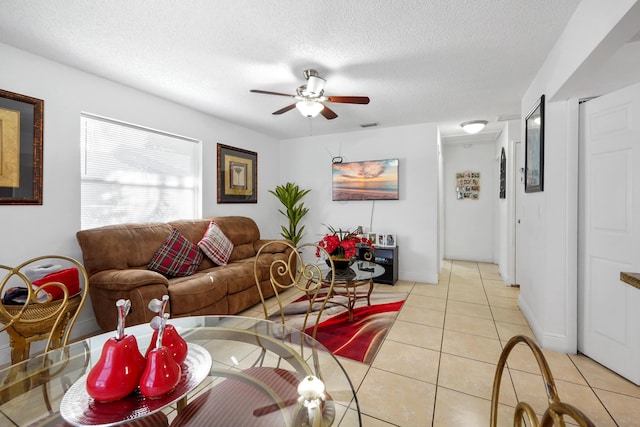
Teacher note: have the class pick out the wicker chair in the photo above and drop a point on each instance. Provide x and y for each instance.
(37, 319)
(556, 411)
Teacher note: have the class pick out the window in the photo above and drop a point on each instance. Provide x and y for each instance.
(134, 174)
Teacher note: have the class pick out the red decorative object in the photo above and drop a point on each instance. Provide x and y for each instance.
(68, 277)
(342, 244)
(120, 366)
(161, 375)
(118, 371)
(173, 341)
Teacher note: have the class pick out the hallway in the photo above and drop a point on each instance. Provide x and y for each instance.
(437, 363)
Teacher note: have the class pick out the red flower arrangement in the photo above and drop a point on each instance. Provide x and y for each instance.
(342, 244)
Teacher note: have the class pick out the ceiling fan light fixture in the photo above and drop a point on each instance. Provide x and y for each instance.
(309, 108)
(315, 86)
(473, 126)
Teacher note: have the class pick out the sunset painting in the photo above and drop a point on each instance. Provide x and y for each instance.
(369, 180)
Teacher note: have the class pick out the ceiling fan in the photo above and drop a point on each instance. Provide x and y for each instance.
(310, 97)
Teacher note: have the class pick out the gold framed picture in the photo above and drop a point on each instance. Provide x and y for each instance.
(237, 175)
(21, 121)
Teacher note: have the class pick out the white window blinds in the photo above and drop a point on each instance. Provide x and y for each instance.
(133, 174)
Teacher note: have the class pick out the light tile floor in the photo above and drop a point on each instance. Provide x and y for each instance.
(436, 365)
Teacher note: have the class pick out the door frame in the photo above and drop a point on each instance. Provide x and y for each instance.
(512, 196)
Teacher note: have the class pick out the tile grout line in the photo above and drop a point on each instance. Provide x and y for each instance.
(506, 366)
(593, 391)
(446, 305)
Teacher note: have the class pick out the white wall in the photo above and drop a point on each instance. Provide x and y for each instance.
(547, 236)
(442, 219)
(470, 225)
(501, 224)
(506, 217)
(413, 218)
(29, 231)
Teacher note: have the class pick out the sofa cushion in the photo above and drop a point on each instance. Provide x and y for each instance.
(194, 293)
(216, 245)
(176, 257)
(122, 246)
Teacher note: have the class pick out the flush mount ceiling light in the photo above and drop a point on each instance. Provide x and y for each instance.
(309, 107)
(473, 126)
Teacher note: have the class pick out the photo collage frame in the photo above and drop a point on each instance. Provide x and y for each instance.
(468, 185)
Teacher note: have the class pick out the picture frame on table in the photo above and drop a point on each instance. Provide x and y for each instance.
(237, 175)
(373, 237)
(390, 240)
(21, 136)
(534, 149)
(385, 240)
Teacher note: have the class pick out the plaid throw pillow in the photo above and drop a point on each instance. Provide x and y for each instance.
(176, 257)
(216, 245)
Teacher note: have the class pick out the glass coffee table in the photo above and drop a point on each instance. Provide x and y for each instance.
(346, 283)
(34, 392)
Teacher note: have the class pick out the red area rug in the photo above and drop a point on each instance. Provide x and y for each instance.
(360, 339)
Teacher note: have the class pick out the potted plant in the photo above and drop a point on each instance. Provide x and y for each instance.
(290, 195)
(342, 246)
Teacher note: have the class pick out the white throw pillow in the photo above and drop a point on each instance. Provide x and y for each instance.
(216, 245)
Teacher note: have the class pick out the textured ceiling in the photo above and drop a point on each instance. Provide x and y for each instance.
(443, 61)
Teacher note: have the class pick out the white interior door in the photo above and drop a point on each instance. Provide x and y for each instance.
(609, 231)
(518, 191)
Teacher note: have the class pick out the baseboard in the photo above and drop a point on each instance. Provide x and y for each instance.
(548, 341)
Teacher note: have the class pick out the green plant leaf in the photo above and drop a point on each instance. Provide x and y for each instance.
(290, 195)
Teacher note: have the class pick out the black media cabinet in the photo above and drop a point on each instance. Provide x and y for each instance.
(388, 258)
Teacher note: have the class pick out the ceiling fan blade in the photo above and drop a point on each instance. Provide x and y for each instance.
(285, 109)
(349, 99)
(266, 92)
(328, 113)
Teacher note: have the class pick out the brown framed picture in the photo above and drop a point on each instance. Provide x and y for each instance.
(534, 149)
(237, 175)
(21, 120)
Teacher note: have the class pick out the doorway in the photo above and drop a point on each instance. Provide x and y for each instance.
(609, 231)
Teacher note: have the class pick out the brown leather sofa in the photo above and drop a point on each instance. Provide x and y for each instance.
(116, 259)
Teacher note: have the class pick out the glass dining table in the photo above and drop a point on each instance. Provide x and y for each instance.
(228, 379)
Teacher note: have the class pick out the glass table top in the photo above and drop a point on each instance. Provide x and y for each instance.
(358, 271)
(237, 346)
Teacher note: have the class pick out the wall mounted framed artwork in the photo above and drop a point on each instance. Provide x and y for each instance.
(534, 149)
(21, 134)
(365, 180)
(503, 174)
(237, 175)
(468, 185)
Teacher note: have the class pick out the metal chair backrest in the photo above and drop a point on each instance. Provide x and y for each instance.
(290, 272)
(555, 412)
